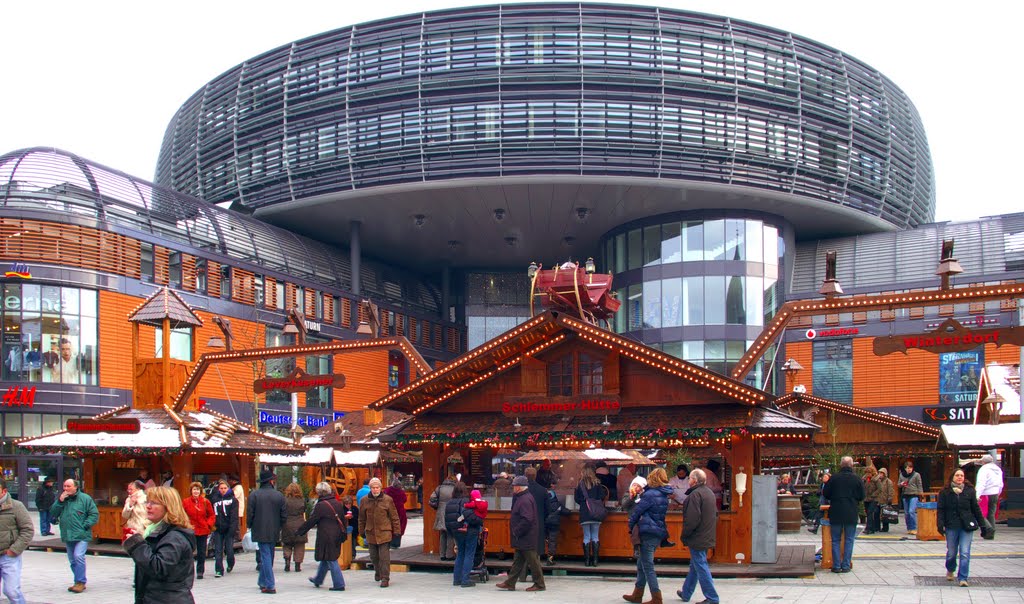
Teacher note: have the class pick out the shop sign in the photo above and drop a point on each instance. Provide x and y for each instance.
(111, 425)
(298, 381)
(311, 325)
(285, 419)
(562, 406)
(832, 332)
(950, 336)
(962, 414)
(19, 270)
(19, 396)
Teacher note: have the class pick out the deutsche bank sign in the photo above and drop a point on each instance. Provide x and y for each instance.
(285, 419)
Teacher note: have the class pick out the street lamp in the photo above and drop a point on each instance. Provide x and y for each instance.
(591, 267)
(531, 271)
(791, 367)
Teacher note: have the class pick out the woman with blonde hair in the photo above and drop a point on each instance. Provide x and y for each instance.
(590, 496)
(164, 572)
(649, 517)
(200, 514)
(292, 543)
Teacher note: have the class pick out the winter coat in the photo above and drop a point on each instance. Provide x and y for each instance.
(989, 480)
(649, 513)
(164, 571)
(955, 512)
(598, 492)
(16, 528)
(883, 490)
(700, 518)
(397, 494)
(871, 489)
(452, 511)
(45, 496)
(266, 513)
(200, 514)
(225, 511)
(378, 519)
(609, 482)
(523, 526)
(553, 519)
(844, 490)
(76, 515)
(502, 487)
(134, 511)
(324, 517)
(438, 499)
(911, 484)
(295, 516)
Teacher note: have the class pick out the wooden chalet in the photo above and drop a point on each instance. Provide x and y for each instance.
(557, 382)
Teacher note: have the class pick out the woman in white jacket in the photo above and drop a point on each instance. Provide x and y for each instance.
(134, 511)
(989, 484)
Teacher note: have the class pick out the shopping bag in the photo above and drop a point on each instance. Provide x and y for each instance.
(248, 544)
(890, 515)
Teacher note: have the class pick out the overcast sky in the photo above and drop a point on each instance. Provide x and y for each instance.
(104, 82)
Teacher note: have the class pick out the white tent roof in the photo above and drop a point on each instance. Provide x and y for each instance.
(356, 458)
(983, 435)
(606, 454)
(313, 456)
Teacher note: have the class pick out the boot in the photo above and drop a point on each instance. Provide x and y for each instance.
(287, 564)
(655, 598)
(586, 554)
(298, 567)
(597, 546)
(636, 597)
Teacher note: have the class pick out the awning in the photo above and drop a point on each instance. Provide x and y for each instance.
(356, 458)
(313, 457)
(983, 436)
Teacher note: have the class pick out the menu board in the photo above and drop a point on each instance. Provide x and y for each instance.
(480, 465)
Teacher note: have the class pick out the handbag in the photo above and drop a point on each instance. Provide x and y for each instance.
(890, 515)
(597, 510)
(341, 525)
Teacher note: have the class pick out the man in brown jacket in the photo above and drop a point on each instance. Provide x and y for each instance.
(378, 523)
(700, 520)
(16, 533)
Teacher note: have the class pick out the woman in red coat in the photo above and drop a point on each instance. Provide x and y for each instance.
(397, 493)
(200, 513)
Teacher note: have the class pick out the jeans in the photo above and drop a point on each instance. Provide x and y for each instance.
(223, 543)
(76, 557)
(843, 533)
(10, 574)
(874, 514)
(645, 563)
(201, 547)
(699, 571)
(959, 542)
(265, 579)
(466, 549)
(591, 531)
(332, 566)
(910, 509)
(44, 522)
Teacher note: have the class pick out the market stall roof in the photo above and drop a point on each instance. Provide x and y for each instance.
(163, 431)
(1003, 380)
(164, 303)
(354, 422)
(313, 457)
(614, 457)
(543, 332)
(983, 436)
(876, 417)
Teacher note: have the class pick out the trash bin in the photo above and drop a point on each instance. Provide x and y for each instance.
(927, 527)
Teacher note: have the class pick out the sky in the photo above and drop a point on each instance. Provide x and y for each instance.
(103, 79)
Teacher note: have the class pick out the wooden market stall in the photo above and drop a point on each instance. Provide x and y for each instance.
(556, 383)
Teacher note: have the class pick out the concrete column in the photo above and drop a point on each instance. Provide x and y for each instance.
(446, 297)
(355, 255)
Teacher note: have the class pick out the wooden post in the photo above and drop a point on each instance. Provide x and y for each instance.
(165, 394)
(88, 483)
(181, 465)
(741, 527)
(433, 468)
(826, 538)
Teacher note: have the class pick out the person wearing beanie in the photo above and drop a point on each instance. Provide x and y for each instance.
(629, 500)
(378, 524)
(266, 514)
(886, 491)
(524, 526)
(989, 484)
(477, 504)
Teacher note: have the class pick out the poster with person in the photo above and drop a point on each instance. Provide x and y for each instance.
(959, 373)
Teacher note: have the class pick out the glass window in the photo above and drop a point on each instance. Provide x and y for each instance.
(693, 301)
(279, 298)
(318, 305)
(755, 241)
(174, 269)
(320, 397)
(772, 246)
(300, 298)
(694, 351)
(714, 240)
(560, 377)
(633, 249)
(181, 343)
(735, 247)
(714, 300)
(671, 242)
(258, 290)
(833, 370)
(755, 301)
(634, 300)
(276, 368)
(673, 348)
(591, 372)
(671, 299)
(693, 242)
(225, 282)
(620, 315)
(735, 302)
(734, 350)
(146, 264)
(652, 245)
(620, 253)
(714, 350)
(51, 423)
(201, 275)
(652, 305)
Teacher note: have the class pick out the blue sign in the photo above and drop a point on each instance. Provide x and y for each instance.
(285, 419)
(959, 373)
(338, 415)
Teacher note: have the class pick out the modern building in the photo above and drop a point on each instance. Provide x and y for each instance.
(423, 161)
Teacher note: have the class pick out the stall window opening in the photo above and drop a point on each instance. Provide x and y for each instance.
(574, 374)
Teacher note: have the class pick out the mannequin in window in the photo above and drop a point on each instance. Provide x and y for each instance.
(66, 370)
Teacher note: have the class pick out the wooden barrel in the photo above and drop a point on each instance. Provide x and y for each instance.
(789, 513)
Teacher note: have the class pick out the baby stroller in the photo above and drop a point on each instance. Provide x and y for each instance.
(479, 572)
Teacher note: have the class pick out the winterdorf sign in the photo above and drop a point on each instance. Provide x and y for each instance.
(298, 381)
(950, 336)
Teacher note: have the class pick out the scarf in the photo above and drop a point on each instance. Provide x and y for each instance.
(149, 529)
(957, 489)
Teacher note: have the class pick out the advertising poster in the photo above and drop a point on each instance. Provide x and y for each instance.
(959, 373)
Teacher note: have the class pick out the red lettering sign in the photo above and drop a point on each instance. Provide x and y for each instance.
(20, 396)
(298, 381)
(112, 425)
(562, 406)
(950, 336)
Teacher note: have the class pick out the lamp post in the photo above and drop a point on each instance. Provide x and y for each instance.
(791, 368)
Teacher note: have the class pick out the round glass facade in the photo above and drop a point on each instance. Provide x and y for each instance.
(700, 289)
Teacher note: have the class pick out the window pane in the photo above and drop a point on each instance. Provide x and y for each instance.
(671, 242)
(714, 350)
(693, 244)
(735, 302)
(652, 245)
(652, 305)
(735, 231)
(635, 301)
(671, 295)
(833, 370)
(755, 241)
(633, 249)
(755, 301)
(714, 300)
(693, 301)
(87, 298)
(771, 245)
(620, 252)
(714, 239)
(694, 352)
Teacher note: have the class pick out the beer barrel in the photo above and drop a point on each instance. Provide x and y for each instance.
(789, 513)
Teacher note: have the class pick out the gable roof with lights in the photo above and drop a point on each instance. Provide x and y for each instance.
(544, 332)
(165, 303)
(876, 417)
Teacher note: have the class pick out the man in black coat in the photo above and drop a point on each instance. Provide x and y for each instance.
(266, 515)
(524, 526)
(844, 491)
(540, 499)
(45, 496)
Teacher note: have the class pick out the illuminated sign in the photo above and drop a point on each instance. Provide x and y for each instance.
(562, 406)
(285, 419)
(19, 396)
(949, 415)
(298, 381)
(110, 425)
(311, 325)
(950, 336)
(835, 332)
(19, 270)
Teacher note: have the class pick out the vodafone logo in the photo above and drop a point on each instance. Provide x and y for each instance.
(811, 334)
(832, 333)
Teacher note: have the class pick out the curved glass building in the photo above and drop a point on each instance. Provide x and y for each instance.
(686, 150)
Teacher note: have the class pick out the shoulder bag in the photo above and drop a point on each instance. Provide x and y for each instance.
(596, 507)
(341, 525)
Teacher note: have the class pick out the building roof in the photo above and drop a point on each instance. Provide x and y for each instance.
(165, 303)
(330, 435)
(164, 431)
(1004, 381)
(982, 436)
(877, 417)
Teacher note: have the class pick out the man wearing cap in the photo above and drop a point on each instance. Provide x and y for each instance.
(45, 496)
(524, 528)
(266, 515)
(990, 483)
